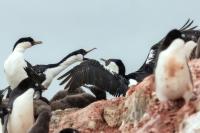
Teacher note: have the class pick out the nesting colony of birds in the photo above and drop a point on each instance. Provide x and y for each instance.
(25, 110)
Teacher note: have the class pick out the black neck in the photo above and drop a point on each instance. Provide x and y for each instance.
(60, 62)
(120, 65)
(65, 58)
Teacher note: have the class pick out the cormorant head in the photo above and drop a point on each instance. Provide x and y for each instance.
(25, 43)
(171, 36)
(115, 65)
(78, 55)
(82, 52)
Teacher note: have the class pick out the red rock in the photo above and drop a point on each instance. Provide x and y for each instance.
(140, 111)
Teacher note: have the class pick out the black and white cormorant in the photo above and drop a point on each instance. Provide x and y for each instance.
(15, 63)
(188, 33)
(78, 97)
(91, 72)
(52, 70)
(16, 75)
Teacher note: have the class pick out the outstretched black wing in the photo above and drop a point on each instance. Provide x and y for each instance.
(93, 73)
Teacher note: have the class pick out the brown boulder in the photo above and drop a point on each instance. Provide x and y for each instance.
(140, 111)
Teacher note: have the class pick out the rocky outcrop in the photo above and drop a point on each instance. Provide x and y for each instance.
(140, 112)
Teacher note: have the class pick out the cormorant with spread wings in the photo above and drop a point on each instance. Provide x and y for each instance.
(91, 72)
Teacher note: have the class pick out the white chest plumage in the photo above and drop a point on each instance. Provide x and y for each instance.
(21, 119)
(51, 73)
(14, 69)
(172, 74)
(112, 67)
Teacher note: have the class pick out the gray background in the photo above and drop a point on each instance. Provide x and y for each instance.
(124, 29)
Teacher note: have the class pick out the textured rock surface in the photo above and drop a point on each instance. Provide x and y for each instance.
(140, 112)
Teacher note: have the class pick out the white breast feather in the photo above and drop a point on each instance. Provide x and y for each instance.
(21, 118)
(112, 67)
(14, 69)
(51, 73)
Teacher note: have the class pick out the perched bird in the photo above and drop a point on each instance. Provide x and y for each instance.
(187, 32)
(63, 99)
(69, 130)
(91, 72)
(17, 76)
(21, 117)
(62, 93)
(172, 74)
(78, 100)
(52, 70)
(41, 125)
(15, 63)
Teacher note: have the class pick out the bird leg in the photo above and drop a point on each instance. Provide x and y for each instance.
(165, 105)
(189, 95)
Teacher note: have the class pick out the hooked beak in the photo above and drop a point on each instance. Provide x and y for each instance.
(87, 53)
(91, 50)
(37, 42)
